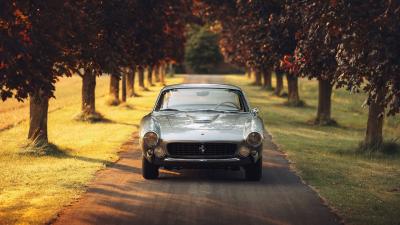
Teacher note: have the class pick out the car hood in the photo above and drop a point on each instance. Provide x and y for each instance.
(202, 126)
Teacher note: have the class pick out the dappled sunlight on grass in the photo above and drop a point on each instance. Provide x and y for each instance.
(32, 188)
(13, 112)
(359, 185)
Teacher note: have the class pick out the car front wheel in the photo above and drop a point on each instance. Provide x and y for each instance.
(253, 172)
(149, 170)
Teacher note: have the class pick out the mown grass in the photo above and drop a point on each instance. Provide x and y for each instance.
(34, 188)
(363, 187)
(13, 112)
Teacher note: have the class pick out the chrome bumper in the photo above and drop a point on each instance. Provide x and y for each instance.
(202, 163)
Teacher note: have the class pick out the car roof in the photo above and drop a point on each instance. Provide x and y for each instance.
(191, 85)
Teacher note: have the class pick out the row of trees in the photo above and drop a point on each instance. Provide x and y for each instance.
(41, 41)
(349, 44)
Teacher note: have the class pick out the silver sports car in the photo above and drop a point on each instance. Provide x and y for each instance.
(202, 126)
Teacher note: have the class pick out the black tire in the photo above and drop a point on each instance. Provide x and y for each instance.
(253, 172)
(149, 170)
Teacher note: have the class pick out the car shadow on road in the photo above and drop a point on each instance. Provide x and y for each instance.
(271, 176)
(135, 200)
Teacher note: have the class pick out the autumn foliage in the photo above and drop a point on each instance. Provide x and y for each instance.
(43, 40)
(350, 44)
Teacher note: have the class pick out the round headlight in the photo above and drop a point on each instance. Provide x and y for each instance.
(254, 139)
(150, 139)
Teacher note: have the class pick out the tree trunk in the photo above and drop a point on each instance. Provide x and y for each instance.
(267, 79)
(279, 83)
(130, 82)
(373, 135)
(324, 102)
(252, 73)
(169, 70)
(248, 73)
(114, 90)
(293, 90)
(141, 77)
(162, 73)
(156, 73)
(123, 86)
(38, 106)
(150, 76)
(133, 72)
(257, 78)
(88, 93)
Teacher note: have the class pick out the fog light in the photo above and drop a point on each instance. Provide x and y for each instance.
(244, 151)
(159, 152)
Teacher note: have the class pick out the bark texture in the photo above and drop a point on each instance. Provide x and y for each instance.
(373, 135)
(293, 90)
(324, 103)
(114, 90)
(267, 78)
(38, 106)
(88, 93)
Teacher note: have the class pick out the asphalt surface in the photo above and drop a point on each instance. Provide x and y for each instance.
(119, 194)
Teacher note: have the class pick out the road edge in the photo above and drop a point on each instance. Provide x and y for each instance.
(294, 170)
(53, 219)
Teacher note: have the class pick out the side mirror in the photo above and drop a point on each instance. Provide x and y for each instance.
(255, 111)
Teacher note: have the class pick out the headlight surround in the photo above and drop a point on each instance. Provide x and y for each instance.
(150, 139)
(254, 139)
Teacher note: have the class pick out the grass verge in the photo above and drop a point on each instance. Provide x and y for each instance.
(363, 187)
(34, 188)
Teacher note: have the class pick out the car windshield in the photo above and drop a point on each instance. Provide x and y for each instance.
(199, 99)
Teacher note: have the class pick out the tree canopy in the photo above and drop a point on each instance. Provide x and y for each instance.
(43, 40)
(202, 53)
(351, 44)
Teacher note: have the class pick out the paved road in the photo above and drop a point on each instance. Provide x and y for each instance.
(119, 194)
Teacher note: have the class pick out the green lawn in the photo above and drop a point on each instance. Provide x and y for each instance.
(33, 189)
(364, 188)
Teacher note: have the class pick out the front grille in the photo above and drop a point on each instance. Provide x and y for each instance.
(201, 150)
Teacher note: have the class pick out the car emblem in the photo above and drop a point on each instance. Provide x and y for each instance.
(202, 148)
